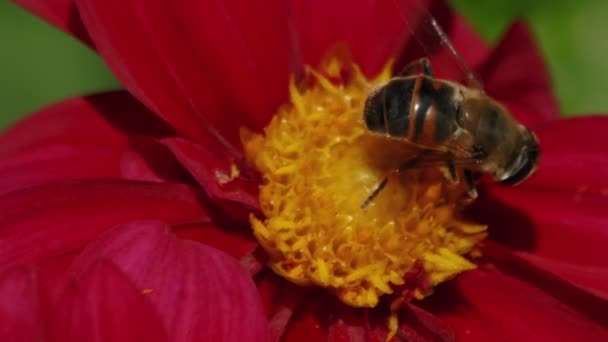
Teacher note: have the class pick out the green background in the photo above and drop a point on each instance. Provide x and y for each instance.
(40, 65)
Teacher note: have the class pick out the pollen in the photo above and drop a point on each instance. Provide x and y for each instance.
(319, 163)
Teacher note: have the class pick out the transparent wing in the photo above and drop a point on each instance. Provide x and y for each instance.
(430, 37)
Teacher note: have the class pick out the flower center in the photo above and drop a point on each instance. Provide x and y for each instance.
(319, 164)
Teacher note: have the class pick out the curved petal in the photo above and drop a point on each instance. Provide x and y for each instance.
(564, 232)
(485, 305)
(557, 219)
(209, 169)
(421, 326)
(373, 31)
(44, 222)
(235, 241)
(60, 13)
(20, 310)
(310, 319)
(206, 67)
(101, 304)
(79, 138)
(515, 74)
(201, 293)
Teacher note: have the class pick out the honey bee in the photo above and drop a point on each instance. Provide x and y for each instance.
(453, 126)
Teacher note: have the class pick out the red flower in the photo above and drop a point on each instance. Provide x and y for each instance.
(94, 190)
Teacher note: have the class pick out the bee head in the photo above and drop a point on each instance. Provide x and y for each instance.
(524, 162)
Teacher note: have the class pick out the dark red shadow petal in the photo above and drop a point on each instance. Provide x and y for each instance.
(281, 301)
(145, 159)
(102, 304)
(485, 305)
(201, 293)
(206, 67)
(20, 310)
(419, 325)
(60, 13)
(515, 74)
(426, 42)
(319, 316)
(108, 117)
(44, 222)
(233, 240)
(80, 138)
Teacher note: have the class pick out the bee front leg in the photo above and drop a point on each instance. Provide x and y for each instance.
(417, 67)
(402, 167)
(470, 180)
(449, 171)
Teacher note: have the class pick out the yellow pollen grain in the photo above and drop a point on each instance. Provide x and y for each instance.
(319, 163)
(146, 291)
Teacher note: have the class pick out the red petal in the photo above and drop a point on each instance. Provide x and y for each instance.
(47, 221)
(76, 139)
(60, 13)
(488, 306)
(515, 74)
(101, 304)
(52, 162)
(206, 67)
(201, 293)
(374, 31)
(20, 311)
(573, 156)
(210, 169)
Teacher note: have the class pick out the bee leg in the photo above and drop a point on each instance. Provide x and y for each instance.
(404, 166)
(374, 193)
(470, 180)
(450, 171)
(419, 66)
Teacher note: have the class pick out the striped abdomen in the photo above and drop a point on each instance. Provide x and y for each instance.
(419, 109)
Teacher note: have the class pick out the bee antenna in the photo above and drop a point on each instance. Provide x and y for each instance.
(374, 194)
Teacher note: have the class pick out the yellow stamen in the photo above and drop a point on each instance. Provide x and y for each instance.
(319, 163)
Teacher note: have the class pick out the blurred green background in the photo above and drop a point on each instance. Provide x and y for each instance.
(40, 65)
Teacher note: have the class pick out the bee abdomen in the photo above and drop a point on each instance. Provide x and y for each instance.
(388, 109)
(435, 112)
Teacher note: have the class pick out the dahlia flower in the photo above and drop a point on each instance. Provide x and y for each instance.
(217, 197)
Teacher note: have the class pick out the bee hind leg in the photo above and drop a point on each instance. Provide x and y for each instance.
(417, 67)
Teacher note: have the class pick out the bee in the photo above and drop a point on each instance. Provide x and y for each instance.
(451, 125)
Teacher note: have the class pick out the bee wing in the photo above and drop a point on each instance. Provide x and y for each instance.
(457, 151)
(429, 37)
